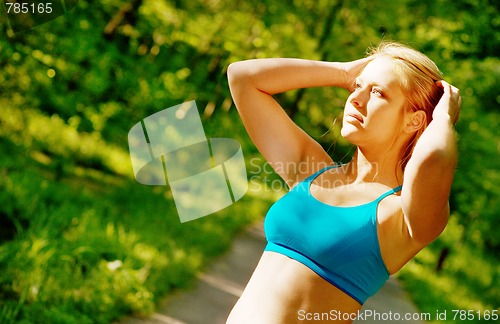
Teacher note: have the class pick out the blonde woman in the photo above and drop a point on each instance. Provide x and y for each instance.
(341, 230)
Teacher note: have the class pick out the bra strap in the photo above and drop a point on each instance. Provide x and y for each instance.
(390, 192)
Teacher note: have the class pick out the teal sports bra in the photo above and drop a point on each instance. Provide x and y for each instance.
(340, 244)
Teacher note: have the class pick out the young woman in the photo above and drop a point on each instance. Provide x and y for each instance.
(341, 230)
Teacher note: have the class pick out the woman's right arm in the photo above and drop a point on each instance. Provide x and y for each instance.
(287, 148)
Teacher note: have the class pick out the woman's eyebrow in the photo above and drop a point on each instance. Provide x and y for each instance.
(383, 87)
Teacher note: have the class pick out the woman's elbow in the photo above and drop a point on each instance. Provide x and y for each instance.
(236, 72)
(240, 73)
(232, 71)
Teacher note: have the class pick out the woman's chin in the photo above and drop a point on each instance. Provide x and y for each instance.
(353, 136)
(349, 133)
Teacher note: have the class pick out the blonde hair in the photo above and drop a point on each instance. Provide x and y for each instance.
(417, 75)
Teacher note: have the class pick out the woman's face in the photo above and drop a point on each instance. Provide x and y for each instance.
(373, 113)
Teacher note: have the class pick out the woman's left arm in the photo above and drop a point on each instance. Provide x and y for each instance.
(429, 172)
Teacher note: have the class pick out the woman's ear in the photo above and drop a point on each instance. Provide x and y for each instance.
(415, 121)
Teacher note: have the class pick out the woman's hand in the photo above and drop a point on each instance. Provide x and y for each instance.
(450, 102)
(352, 70)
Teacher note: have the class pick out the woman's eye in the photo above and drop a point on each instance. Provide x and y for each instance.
(377, 92)
(358, 85)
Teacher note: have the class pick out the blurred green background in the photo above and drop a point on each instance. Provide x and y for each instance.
(82, 242)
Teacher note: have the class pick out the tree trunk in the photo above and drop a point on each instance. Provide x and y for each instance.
(127, 12)
(442, 257)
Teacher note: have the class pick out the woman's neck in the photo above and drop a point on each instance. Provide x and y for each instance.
(382, 167)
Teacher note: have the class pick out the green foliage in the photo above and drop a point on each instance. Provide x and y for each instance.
(92, 247)
(466, 282)
(82, 242)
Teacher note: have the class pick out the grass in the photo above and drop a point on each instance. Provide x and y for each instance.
(467, 282)
(83, 242)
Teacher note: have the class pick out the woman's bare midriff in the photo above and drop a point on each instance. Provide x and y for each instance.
(283, 290)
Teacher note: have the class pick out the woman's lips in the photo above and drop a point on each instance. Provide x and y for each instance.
(354, 117)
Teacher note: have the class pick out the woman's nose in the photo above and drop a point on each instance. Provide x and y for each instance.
(359, 98)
